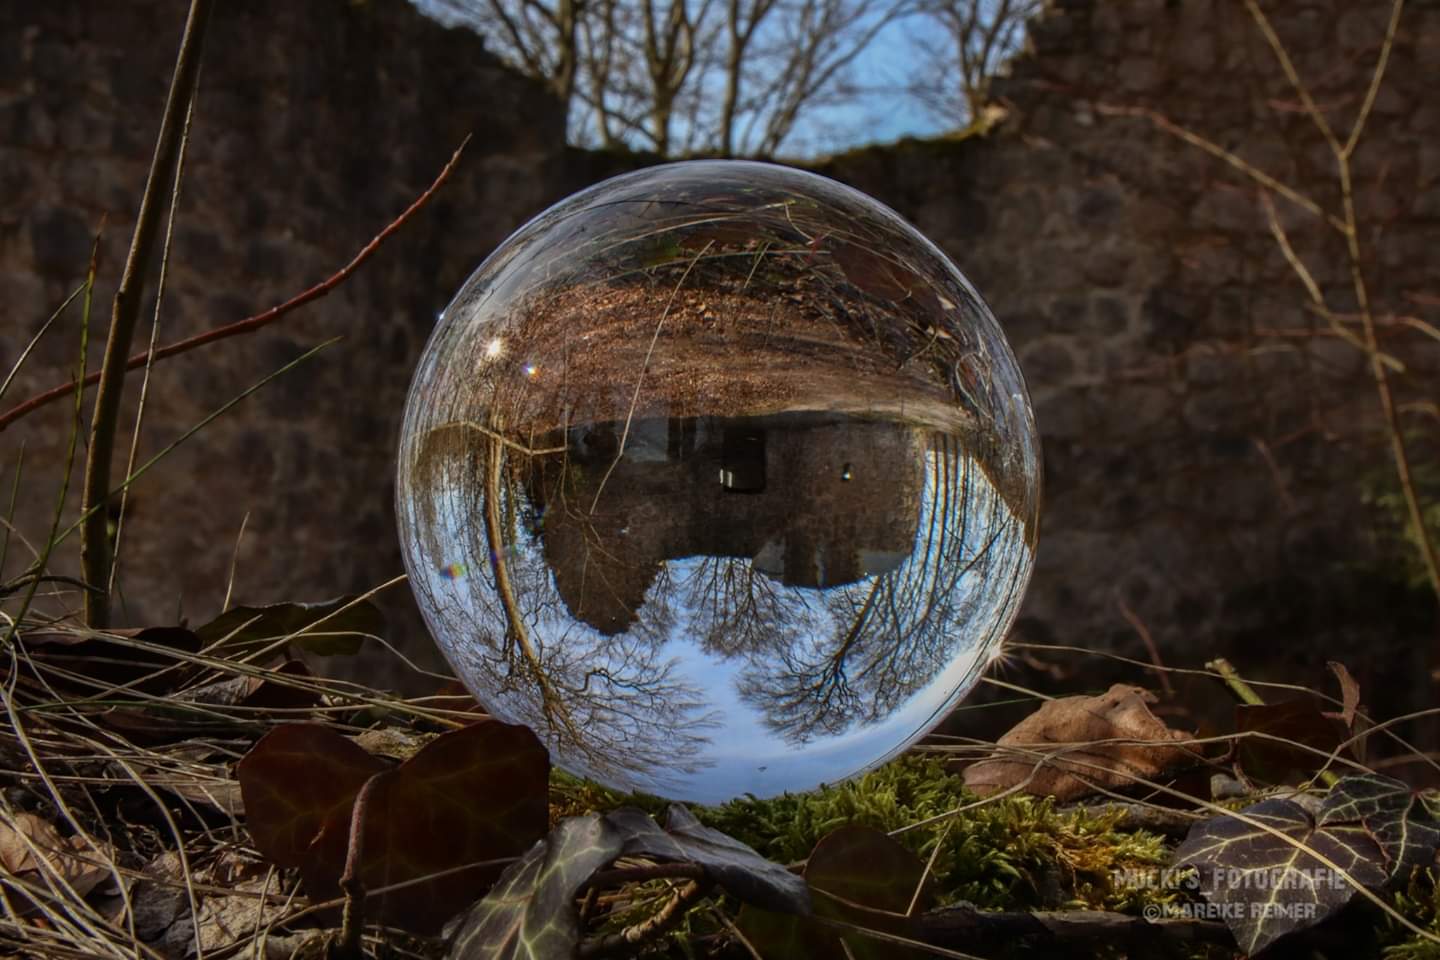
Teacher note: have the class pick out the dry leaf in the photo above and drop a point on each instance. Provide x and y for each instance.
(158, 899)
(27, 838)
(223, 796)
(225, 920)
(1349, 694)
(197, 786)
(1106, 741)
(392, 742)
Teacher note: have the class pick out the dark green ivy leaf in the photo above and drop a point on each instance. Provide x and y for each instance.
(1269, 885)
(730, 863)
(860, 877)
(247, 629)
(1392, 813)
(530, 914)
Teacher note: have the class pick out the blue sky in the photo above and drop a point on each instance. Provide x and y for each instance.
(882, 112)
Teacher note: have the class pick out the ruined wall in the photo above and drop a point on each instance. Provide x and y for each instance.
(1207, 442)
(315, 125)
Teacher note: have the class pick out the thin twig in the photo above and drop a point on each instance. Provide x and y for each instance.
(1146, 638)
(639, 874)
(1229, 156)
(1379, 74)
(154, 335)
(640, 379)
(1288, 67)
(1349, 227)
(219, 411)
(259, 320)
(1317, 298)
(35, 340)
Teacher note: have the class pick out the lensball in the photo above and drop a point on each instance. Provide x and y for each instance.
(721, 478)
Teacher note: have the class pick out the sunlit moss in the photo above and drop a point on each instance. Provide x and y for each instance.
(1010, 853)
(1419, 902)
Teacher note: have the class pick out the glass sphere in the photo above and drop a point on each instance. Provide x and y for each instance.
(720, 477)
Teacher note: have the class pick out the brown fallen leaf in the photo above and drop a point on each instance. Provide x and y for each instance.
(156, 899)
(1349, 694)
(31, 849)
(225, 920)
(139, 658)
(258, 692)
(392, 742)
(1097, 742)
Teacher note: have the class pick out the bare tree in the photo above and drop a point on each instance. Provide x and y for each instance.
(973, 40)
(640, 60)
(541, 38)
(742, 19)
(817, 43)
(673, 76)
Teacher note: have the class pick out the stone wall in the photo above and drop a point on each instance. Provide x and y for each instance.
(1207, 441)
(315, 125)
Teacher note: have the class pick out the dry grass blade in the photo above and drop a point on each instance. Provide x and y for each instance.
(206, 421)
(63, 750)
(76, 425)
(35, 340)
(114, 562)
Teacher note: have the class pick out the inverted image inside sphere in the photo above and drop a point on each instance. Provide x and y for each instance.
(721, 478)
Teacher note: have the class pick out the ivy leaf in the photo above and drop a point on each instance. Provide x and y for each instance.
(1267, 886)
(859, 876)
(730, 863)
(530, 913)
(247, 629)
(472, 796)
(293, 780)
(1392, 813)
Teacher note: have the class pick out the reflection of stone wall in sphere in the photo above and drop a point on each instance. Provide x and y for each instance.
(840, 501)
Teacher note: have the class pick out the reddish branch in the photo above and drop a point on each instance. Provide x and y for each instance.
(347, 945)
(259, 320)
